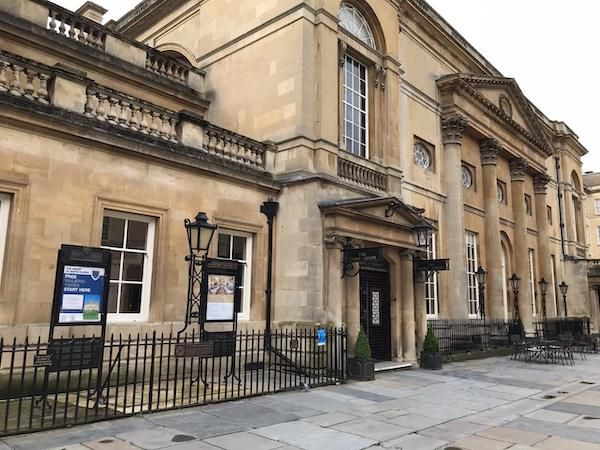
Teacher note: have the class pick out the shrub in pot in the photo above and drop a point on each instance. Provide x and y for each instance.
(431, 357)
(361, 367)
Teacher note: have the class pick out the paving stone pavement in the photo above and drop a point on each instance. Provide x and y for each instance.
(488, 404)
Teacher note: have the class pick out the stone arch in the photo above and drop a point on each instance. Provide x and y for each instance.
(575, 181)
(177, 52)
(508, 269)
(371, 20)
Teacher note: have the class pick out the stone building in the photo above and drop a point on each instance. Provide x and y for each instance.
(358, 117)
(591, 183)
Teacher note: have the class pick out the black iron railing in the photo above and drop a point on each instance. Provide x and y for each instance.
(43, 387)
(459, 336)
(555, 326)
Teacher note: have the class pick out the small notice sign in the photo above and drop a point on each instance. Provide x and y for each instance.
(42, 360)
(82, 294)
(321, 337)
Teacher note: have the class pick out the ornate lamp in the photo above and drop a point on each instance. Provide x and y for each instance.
(481, 275)
(199, 233)
(564, 287)
(422, 230)
(514, 282)
(543, 289)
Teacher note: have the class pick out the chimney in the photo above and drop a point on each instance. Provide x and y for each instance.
(92, 11)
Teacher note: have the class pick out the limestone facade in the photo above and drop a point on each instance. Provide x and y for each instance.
(358, 117)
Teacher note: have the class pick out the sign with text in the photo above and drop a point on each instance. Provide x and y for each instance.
(432, 265)
(221, 290)
(362, 255)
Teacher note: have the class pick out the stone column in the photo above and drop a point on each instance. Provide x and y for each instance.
(540, 182)
(420, 315)
(494, 298)
(452, 133)
(352, 307)
(334, 283)
(408, 306)
(518, 169)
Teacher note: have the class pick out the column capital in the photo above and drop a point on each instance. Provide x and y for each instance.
(518, 169)
(540, 182)
(489, 149)
(452, 129)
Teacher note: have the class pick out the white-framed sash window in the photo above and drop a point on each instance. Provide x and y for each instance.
(356, 110)
(130, 238)
(4, 214)
(532, 281)
(431, 284)
(237, 246)
(472, 286)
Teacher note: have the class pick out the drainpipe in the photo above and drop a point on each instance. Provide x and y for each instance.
(269, 209)
(560, 207)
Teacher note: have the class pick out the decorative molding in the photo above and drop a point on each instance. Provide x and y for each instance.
(505, 105)
(452, 129)
(380, 77)
(518, 169)
(489, 149)
(343, 48)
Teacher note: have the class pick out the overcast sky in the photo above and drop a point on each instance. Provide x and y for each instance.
(550, 47)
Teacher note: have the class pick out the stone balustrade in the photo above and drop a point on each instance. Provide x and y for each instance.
(165, 66)
(232, 146)
(75, 27)
(128, 112)
(361, 175)
(20, 78)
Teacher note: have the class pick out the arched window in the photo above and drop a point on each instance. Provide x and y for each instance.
(352, 20)
(575, 181)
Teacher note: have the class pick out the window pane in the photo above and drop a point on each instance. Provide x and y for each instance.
(115, 265)
(223, 247)
(239, 247)
(113, 292)
(131, 298)
(133, 267)
(113, 230)
(137, 233)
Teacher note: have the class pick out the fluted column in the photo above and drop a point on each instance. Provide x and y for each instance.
(452, 133)
(408, 306)
(518, 168)
(490, 148)
(540, 181)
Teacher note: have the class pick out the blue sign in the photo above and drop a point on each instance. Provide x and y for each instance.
(82, 295)
(321, 337)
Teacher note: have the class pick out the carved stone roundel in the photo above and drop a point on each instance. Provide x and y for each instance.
(505, 105)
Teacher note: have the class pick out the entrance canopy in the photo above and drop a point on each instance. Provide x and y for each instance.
(382, 220)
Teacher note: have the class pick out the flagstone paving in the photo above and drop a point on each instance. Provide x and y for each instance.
(487, 404)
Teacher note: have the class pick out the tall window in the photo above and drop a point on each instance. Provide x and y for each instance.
(598, 234)
(130, 237)
(4, 211)
(431, 284)
(472, 287)
(237, 246)
(532, 281)
(355, 107)
(597, 204)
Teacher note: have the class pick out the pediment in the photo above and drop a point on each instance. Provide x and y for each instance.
(503, 98)
(380, 209)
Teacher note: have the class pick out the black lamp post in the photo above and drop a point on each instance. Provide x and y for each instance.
(481, 275)
(199, 235)
(543, 289)
(514, 282)
(564, 287)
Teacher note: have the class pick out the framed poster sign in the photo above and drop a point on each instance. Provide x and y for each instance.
(221, 296)
(81, 291)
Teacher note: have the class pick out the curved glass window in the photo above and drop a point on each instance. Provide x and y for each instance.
(355, 23)
(466, 176)
(422, 156)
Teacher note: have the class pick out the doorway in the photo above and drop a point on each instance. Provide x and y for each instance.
(375, 315)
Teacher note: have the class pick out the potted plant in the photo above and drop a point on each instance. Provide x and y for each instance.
(431, 357)
(362, 366)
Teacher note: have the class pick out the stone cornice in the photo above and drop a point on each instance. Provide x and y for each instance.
(468, 84)
(452, 129)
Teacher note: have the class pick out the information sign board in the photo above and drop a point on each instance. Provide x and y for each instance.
(221, 290)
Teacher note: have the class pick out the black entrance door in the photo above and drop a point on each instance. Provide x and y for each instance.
(375, 315)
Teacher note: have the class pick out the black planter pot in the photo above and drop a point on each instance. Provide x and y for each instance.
(361, 369)
(432, 360)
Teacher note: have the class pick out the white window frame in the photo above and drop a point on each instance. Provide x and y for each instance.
(471, 269)
(532, 282)
(431, 283)
(349, 60)
(598, 234)
(144, 313)
(597, 205)
(247, 264)
(5, 200)
(554, 290)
